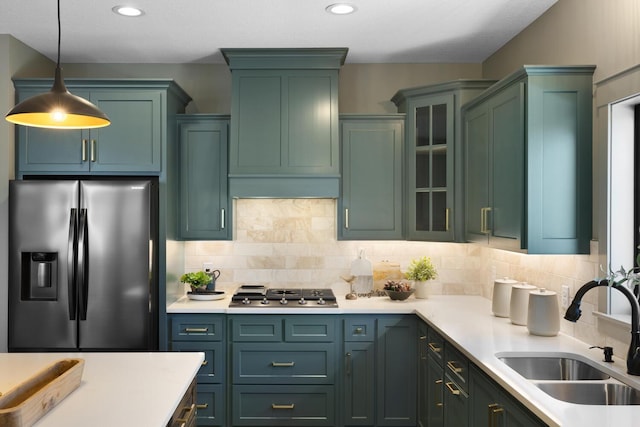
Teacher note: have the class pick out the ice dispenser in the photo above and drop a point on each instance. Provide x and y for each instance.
(40, 275)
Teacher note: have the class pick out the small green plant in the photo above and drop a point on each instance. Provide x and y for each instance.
(421, 269)
(198, 279)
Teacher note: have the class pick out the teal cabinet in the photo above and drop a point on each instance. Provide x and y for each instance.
(284, 121)
(204, 199)
(132, 144)
(204, 333)
(370, 204)
(492, 406)
(433, 162)
(358, 384)
(528, 162)
(283, 370)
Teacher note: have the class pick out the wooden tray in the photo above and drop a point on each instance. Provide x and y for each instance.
(26, 403)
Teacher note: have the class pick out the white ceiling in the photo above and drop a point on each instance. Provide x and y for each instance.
(193, 31)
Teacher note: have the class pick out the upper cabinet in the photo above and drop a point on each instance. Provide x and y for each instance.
(433, 157)
(284, 138)
(528, 161)
(133, 143)
(204, 201)
(370, 204)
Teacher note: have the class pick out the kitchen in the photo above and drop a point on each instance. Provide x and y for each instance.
(368, 88)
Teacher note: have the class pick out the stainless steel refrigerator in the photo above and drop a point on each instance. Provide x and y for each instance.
(82, 265)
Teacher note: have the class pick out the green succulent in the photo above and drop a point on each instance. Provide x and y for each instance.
(197, 279)
(421, 269)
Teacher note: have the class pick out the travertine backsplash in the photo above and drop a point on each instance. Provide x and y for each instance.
(292, 242)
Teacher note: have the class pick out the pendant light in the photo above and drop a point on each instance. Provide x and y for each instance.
(58, 108)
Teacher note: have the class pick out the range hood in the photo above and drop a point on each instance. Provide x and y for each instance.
(284, 134)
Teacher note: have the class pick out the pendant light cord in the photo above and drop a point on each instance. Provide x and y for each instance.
(59, 33)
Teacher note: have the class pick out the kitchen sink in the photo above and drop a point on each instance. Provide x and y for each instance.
(604, 393)
(563, 368)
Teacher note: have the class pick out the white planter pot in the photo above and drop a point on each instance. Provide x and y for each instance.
(422, 288)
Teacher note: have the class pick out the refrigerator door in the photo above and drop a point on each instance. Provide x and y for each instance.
(114, 268)
(42, 221)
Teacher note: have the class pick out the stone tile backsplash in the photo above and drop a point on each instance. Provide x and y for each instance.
(292, 242)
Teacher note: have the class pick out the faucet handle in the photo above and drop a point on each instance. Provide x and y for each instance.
(608, 352)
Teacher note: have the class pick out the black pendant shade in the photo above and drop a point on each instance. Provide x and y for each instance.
(58, 108)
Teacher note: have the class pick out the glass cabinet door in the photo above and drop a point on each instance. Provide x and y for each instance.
(430, 164)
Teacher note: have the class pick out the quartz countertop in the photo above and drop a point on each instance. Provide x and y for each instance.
(467, 322)
(117, 389)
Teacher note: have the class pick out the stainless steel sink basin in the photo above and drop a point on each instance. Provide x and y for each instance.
(562, 368)
(605, 393)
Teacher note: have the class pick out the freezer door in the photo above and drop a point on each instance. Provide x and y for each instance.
(42, 218)
(114, 265)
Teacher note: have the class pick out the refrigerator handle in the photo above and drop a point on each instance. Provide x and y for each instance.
(71, 261)
(82, 265)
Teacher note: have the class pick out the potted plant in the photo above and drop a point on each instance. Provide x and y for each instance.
(198, 280)
(420, 271)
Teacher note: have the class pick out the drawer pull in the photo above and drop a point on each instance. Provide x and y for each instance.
(204, 363)
(358, 331)
(434, 347)
(422, 337)
(188, 414)
(282, 364)
(196, 330)
(453, 390)
(287, 406)
(202, 406)
(452, 365)
(494, 410)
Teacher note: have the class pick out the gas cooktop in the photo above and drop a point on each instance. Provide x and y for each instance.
(261, 296)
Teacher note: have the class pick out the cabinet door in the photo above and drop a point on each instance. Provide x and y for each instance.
(396, 384)
(358, 383)
(133, 141)
(213, 367)
(456, 404)
(51, 150)
(371, 199)
(210, 405)
(430, 167)
(476, 135)
(423, 375)
(204, 202)
(434, 398)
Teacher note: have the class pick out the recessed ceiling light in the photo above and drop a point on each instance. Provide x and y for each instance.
(341, 8)
(128, 11)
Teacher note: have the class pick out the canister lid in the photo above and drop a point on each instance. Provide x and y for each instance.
(525, 286)
(506, 280)
(543, 292)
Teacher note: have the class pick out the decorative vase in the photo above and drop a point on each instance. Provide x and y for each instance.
(422, 289)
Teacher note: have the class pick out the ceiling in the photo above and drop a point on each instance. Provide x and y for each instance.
(193, 31)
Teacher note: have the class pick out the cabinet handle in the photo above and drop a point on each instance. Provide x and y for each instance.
(204, 363)
(422, 337)
(286, 406)
(358, 331)
(451, 364)
(434, 347)
(202, 406)
(93, 150)
(348, 364)
(188, 410)
(196, 330)
(494, 411)
(484, 222)
(346, 218)
(446, 219)
(453, 390)
(84, 150)
(222, 219)
(283, 364)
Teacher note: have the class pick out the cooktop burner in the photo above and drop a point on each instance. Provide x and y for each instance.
(260, 296)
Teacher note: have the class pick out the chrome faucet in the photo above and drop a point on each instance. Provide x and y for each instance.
(573, 313)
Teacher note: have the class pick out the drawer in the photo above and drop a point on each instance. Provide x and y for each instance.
(359, 329)
(283, 405)
(283, 363)
(259, 328)
(435, 346)
(456, 366)
(197, 327)
(210, 405)
(212, 369)
(310, 328)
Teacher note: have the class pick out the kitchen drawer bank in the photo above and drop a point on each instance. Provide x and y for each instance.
(466, 322)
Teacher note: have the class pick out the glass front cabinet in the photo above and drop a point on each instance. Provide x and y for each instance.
(433, 158)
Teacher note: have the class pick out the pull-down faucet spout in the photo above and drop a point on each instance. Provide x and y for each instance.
(573, 314)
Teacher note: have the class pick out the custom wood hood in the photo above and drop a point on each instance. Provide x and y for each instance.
(284, 134)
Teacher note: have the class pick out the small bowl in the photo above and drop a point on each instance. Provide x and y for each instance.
(399, 295)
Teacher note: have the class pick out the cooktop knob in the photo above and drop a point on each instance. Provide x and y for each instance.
(246, 301)
(302, 301)
(284, 301)
(321, 301)
(264, 301)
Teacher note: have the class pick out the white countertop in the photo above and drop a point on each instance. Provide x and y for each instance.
(117, 389)
(467, 321)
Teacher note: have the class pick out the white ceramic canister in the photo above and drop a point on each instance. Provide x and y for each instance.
(519, 304)
(502, 296)
(544, 314)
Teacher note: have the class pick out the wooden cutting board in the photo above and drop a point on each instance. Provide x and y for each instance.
(26, 403)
